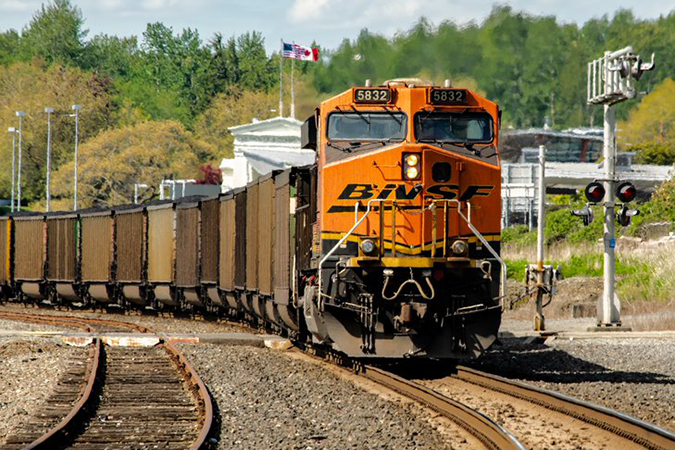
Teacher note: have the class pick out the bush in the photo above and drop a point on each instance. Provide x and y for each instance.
(660, 153)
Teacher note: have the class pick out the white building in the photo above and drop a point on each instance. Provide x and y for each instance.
(263, 146)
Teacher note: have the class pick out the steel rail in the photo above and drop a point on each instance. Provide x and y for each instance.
(643, 433)
(198, 389)
(489, 433)
(196, 386)
(55, 437)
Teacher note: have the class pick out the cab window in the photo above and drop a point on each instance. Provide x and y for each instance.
(367, 126)
(454, 127)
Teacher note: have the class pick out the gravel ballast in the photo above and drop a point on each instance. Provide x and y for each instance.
(271, 400)
(155, 321)
(633, 375)
(29, 370)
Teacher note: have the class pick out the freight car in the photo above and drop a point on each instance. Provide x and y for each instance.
(387, 247)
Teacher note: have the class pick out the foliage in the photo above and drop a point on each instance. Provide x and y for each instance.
(653, 120)
(519, 234)
(229, 110)
(55, 34)
(533, 66)
(661, 208)
(149, 152)
(661, 153)
(30, 88)
(211, 176)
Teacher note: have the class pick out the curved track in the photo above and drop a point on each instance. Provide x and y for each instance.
(124, 393)
(637, 431)
(489, 433)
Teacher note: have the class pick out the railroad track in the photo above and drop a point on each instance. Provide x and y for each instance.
(492, 435)
(641, 433)
(120, 398)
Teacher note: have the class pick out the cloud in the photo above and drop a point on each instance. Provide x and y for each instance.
(12, 6)
(307, 10)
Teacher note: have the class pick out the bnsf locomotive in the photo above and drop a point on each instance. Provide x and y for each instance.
(387, 247)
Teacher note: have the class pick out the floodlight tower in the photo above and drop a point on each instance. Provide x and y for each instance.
(611, 80)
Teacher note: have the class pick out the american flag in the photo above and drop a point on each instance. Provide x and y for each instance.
(302, 53)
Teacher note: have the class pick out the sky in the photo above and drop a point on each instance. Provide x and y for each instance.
(327, 22)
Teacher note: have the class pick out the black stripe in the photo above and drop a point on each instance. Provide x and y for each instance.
(363, 208)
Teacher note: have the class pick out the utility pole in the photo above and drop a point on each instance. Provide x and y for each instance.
(20, 115)
(49, 112)
(77, 109)
(539, 321)
(611, 80)
(13, 131)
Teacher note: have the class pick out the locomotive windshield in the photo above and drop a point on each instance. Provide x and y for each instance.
(453, 127)
(367, 126)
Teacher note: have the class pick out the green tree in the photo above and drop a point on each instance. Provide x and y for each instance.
(229, 110)
(113, 161)
(255, 69)
(55, 34)
(30, 87)
(653, 120)
(10, 50)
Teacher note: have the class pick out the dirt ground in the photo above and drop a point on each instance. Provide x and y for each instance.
(577, 298)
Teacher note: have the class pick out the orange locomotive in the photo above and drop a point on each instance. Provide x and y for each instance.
(408, 220)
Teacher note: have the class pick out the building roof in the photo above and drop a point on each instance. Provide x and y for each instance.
(277, 126)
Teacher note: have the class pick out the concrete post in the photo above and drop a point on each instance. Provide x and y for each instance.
(539, 320)
(608, 311)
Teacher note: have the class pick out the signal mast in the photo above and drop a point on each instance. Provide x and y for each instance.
(611, 80)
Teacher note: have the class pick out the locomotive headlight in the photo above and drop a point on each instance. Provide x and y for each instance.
(411, 166)
(412, 159)
(459, 247)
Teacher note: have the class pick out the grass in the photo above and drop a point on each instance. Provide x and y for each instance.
(645, 271)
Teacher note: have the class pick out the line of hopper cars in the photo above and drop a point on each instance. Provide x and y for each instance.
(231, 252)
(387, 247)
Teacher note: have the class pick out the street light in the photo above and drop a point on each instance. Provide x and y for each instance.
(20, 115)
(13, 131)
(77, 109)
(49, 112)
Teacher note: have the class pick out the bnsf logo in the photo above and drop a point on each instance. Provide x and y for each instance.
(399, 192)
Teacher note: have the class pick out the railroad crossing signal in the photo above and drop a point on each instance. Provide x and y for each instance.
(595, 193)
(626, 193)
(586, 214)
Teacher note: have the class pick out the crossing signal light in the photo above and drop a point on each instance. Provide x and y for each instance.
(626, 192)
(625, 215)
(595, 192)
(586, 214)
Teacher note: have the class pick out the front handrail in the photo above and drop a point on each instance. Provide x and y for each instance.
(466, 218)
(340, 242)
(481, 238)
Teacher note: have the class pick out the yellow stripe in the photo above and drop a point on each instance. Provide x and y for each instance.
(409, 262)
(356, 238)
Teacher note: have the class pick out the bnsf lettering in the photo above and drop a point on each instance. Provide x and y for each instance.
(444, 191)
(437, 191)
(357, 192)
(476, 191)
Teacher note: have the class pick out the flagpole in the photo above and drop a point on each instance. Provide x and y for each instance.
(281, 80)
(293, 88)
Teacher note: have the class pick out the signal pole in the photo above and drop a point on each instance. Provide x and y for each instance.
(608, 313)
(611, 80)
